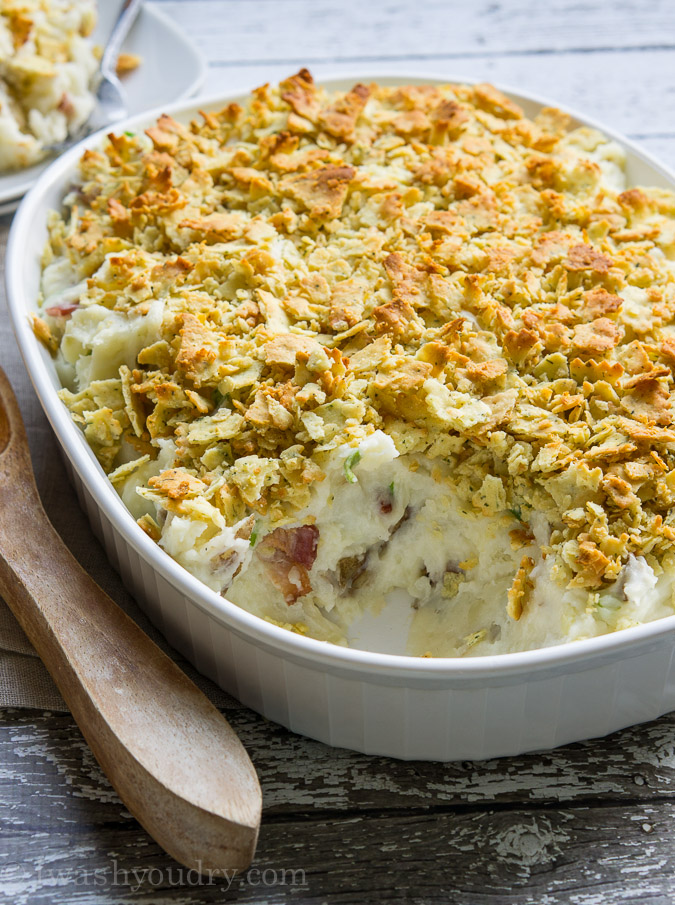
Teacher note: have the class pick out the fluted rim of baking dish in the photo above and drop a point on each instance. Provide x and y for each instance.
(297, 647)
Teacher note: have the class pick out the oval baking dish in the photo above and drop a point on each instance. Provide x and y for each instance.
(378, 703)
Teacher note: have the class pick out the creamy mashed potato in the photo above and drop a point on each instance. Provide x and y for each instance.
(332, 348)
(46, 67)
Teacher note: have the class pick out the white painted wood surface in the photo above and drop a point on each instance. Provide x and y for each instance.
(587, 825)
(613, 60)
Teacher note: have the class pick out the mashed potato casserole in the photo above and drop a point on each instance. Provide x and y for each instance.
(400, 339)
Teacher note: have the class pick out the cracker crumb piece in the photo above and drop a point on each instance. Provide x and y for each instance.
(598, 337)
(150, 526)
(122, 472)
(340, 119)
(521, 588)
(44, 334)
(127, 62)
(585, 257)
(177, 484)
(321, 191)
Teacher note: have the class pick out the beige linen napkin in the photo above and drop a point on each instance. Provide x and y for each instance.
(24, 681)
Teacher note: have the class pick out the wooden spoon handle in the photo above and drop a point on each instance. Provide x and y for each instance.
(173, 759)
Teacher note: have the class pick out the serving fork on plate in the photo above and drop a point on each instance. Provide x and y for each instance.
(111, 104)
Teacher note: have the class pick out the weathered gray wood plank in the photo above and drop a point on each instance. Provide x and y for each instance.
(239, 31)
(296, 774)
(470, 833)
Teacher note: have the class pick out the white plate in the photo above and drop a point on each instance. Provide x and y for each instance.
(371, 701)
(171, 69)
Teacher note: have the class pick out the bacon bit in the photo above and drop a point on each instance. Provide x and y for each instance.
(61, 310)
(585, 257)
(288, 554)
(349, 571)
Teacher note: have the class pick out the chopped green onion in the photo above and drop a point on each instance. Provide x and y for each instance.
(516, 512)
(254, 538)
(391, 488)
(352, 459)
(130, 134)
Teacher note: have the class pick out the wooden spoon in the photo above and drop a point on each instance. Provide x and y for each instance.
(173, 759)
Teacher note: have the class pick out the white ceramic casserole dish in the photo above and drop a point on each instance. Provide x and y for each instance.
(378, 703)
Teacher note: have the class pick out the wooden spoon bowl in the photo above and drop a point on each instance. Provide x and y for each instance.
(173, 759)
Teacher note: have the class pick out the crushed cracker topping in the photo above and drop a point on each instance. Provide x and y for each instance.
(422, 260)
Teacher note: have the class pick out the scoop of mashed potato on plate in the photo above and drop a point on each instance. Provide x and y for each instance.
(47, 63)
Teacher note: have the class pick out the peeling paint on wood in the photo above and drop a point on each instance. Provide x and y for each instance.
(585, 824)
